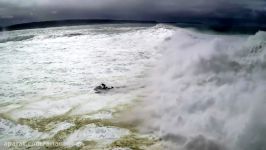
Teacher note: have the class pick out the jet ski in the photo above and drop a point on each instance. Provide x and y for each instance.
(102, 88)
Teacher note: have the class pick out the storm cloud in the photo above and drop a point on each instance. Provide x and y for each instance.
(17, 11)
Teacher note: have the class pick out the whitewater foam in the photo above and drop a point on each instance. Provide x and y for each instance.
(208, 91)
(10, 130)
(103, 135)
(47, 81)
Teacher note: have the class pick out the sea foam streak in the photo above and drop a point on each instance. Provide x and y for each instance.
(208, 92)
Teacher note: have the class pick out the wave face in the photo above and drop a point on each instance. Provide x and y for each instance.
(16, 38)
(208, 92)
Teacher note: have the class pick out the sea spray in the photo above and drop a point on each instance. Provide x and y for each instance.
(208, 92)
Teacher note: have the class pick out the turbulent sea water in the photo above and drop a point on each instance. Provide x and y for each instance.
(175, 88)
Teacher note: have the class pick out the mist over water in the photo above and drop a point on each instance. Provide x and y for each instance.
(208, 92)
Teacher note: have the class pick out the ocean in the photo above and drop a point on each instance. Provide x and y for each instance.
(174, 88)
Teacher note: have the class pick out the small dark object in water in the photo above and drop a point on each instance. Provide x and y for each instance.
(102, 88)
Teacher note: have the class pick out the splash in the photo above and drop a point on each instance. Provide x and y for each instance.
(208, 92)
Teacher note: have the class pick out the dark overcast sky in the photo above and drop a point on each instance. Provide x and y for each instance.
(20, 11)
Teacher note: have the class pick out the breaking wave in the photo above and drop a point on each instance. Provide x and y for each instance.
(208, 92)
(16, 38)
(65, 35)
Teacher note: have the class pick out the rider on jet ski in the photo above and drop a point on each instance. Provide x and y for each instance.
(102, 87)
